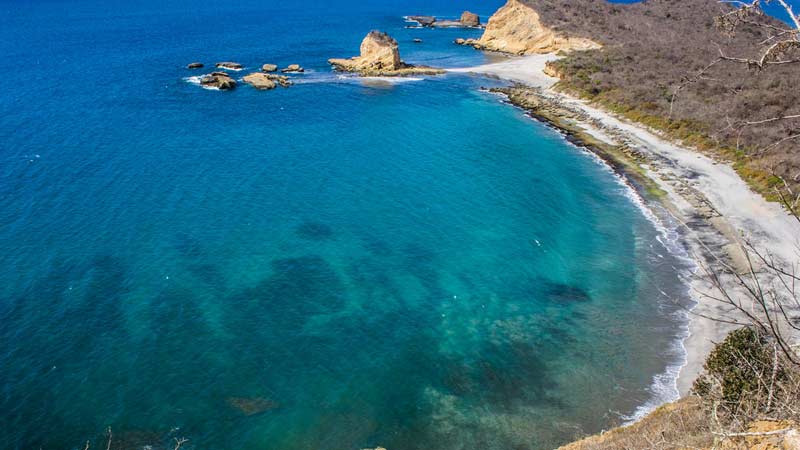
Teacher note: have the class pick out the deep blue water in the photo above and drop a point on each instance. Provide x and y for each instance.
(414, 265)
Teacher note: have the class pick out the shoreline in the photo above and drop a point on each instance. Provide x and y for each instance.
(712, 205)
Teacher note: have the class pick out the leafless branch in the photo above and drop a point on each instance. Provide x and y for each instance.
(179, 443)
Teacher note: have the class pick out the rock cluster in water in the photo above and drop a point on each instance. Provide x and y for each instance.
(264, 80)
(468, 19)
(380, 56)
(516, 28)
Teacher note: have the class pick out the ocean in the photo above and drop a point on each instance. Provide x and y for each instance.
(338, 265)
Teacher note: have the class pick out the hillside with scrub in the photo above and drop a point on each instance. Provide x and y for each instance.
(711, 76)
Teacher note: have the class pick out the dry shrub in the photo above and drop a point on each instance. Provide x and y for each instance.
(680, 425)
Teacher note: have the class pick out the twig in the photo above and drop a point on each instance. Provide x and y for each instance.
(179, 442)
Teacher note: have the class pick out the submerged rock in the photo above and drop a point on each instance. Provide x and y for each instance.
(293, 68)
(259, 81)
(380, 56)
(194, 65)
(269, 68)
(229, 65)
(219, 80)
(252, 406)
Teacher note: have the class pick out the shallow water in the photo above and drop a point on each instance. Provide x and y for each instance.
(342, 264)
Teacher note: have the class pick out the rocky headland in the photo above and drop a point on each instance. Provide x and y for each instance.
(380, 56)
(517, 28)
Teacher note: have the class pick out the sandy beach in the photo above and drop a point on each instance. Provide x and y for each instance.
(714, 205)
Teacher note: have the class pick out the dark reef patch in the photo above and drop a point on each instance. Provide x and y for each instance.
(314, 231)
(188, 246)
(209, 274)
(565, 293)
(378, 247)
(298, 289)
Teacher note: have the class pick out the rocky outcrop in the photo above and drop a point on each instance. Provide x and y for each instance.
(517, 28)
(259, 81)
(194, 65)
(282, 80)
(469, 19)
(218, 80)
(266, 81)
(293, 68)
(229, 65)
(269, 68)
(423, 21)
(380, 56)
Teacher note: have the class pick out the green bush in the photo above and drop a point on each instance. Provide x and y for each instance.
(740, 364)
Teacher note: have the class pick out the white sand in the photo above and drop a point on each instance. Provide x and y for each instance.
(527, 70)
(674, 168)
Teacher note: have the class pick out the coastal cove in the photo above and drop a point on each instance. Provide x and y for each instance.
(353, 262)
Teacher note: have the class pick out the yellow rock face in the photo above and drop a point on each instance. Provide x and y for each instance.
(516, 28)
(379, 51)
(380, 56)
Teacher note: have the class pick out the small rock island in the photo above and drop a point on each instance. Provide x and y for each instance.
(380, 56)
(219, 80)
(266, 81)
(229, 65)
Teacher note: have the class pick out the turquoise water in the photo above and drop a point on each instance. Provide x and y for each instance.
(412, 264)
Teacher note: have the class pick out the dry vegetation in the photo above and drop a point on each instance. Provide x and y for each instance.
(661, 66)
(748, 398)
